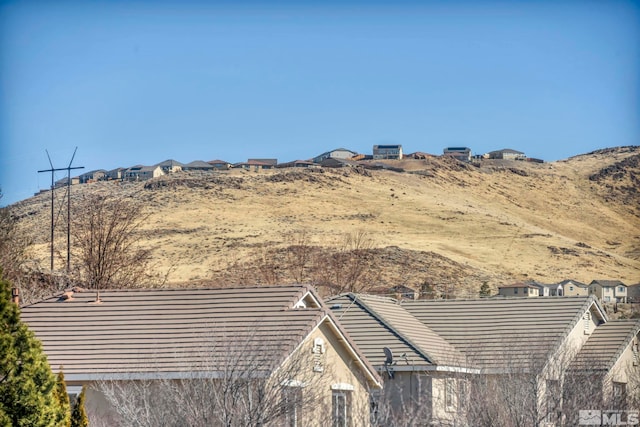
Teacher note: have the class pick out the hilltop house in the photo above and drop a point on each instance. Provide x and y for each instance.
(297, 164)
(116, 174)
(387, 152)
(146, 342)
(507, 154)
(170, 166)
(338, 153)
(219, 164)
(609, 290)
(198, 165)
(64, 181)
(253, 165)
(460, 153)
(142, 173)
(92, 176)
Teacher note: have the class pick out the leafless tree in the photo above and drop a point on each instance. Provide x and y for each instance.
(106, 249)
(346, 269)
(13, 247)
(299, 255)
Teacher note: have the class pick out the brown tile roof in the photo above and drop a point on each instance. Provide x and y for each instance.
(175, 330)
(499, 333)
(606, 344)
(375, 322)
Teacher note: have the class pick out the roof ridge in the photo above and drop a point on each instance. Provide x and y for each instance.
(395, 331)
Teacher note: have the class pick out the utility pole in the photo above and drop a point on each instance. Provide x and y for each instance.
(52, 170)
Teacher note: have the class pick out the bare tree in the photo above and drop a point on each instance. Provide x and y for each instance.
(107, 237)
(346, 270)
(13, 246)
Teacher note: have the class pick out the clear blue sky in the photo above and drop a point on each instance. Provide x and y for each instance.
(139, 82)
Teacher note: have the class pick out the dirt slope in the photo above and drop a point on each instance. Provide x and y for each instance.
(440, 220)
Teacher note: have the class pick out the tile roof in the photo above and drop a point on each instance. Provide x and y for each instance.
(174, 330)
(375, 322)
(498, 333)
(606, 344)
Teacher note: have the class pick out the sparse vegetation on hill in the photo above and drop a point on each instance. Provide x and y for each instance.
(453, 224)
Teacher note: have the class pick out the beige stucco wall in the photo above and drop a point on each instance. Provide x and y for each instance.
(339, 370)
(571, 290)
(521, 292)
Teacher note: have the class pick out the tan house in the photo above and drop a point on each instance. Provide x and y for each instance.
(549, 289)
(449, 362)
(511, 339)
(633, 293)
(135, 347)
(170, 166)
(507, 154)
(142, 173)
(423, 373)
(609, 290)
(93, 176)
(519, 290)
(574, 288)
(338, 153)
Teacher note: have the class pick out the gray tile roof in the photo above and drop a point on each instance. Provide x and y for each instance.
(174, 330)
(500, 333)
(375, 322)
(606, 344)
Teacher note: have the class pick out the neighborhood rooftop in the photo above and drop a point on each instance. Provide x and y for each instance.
(171, 330)
(495, 333)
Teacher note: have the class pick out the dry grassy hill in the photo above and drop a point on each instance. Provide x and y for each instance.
(452, 224)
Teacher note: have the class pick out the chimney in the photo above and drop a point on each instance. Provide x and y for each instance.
(15, 296)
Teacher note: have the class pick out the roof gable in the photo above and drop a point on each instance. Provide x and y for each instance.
(606, 344)
(498, 333)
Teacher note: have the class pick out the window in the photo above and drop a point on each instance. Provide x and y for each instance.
(292, 406)
(570, 288)
(620, 288)
(515, 290)
(619, 395)
(341, 408)
(449, 394)
(586, 318)
(463, 393)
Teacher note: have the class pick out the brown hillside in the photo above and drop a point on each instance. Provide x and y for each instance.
(440, 221)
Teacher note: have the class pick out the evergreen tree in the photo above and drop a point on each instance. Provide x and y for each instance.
(485, 291)
(26, 381)
(64, 415)
(79, 415)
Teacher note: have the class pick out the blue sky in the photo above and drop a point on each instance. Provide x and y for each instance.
(139, 82)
